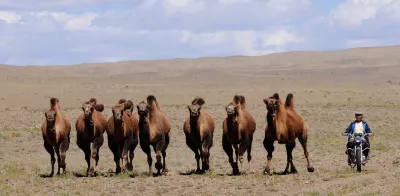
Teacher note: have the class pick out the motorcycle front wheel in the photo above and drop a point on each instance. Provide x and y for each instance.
(358, 159)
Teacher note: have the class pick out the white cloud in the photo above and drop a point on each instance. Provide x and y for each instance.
(9, 17)
(72, 31)
(356, 12)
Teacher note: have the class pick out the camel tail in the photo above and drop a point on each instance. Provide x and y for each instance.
(199, 101)
(289, 101)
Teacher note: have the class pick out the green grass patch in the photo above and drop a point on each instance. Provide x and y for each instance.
(312, 193)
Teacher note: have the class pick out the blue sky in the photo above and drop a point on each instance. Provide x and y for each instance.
(47, 32)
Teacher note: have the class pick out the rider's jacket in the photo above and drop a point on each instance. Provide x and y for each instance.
(351, 127)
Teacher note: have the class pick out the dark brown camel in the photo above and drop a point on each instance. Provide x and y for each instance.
(56, 129)
(284, 125)
(199, 130)
(238, 129)
(90, 127)
(123, 135)
(155, 130)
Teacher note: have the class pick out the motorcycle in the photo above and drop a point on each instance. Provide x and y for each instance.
(356, 155)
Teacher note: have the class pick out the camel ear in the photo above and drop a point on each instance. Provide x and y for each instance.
(226, 108)
(188, 107)
(265, 101)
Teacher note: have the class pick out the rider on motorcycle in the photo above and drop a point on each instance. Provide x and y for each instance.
(358, 126)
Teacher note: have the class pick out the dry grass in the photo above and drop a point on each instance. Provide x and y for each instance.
(326, 101)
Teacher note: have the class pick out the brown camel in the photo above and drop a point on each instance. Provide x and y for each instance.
(90, 127)
(199, 131)
(238, 129)
(123, 135)
(284, 125)
(155, 130)
(56, 129)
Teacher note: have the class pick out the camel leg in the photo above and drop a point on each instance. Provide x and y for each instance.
(125, 150)
(133, 146)
(97, 142)
(193, 147)
(114, 149)
(303, 142)
(207, 144)
(164, 154)
(244, 145)
(50, 150)
(85, 147)
(269, 147)
(289, 149)
(146, 149)
(57, 150)
(227, 146)
(63, 153)
(249, 151)
(158, 149)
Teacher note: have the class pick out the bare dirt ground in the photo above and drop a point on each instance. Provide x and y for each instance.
(326, 94)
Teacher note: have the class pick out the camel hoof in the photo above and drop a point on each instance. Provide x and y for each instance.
(235, 169)
(310, 169)
(293, 172)
(117, 170)
(158, 165)
(130, 167)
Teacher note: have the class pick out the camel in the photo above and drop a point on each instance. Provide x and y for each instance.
(238, 129)
(123, 135)
(284, 125)
(155, 130)
(56, 130)
(199, 130)
(90, 127)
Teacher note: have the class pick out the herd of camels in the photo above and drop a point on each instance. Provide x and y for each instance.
(125, 131)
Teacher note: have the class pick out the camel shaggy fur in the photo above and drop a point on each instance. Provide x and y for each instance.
(284, 125)
(123, 135)
(199, 130)
(56, 129)
(154, 130)
(90, 127)
(238, 129)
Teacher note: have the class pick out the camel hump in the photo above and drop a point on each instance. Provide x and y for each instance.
(54, 103)
(99, 107)
(240, 99)
(93, 101)
(199, 101)
(289, 101)
(150, 99)
(121, 101)
(275, 96)
(128, 104)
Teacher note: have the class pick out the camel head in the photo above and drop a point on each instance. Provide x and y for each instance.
(50, 116)
(194, 110)
(88, 109)
(143, 108)
(231, 109)
(118, 111)
(272, 104)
